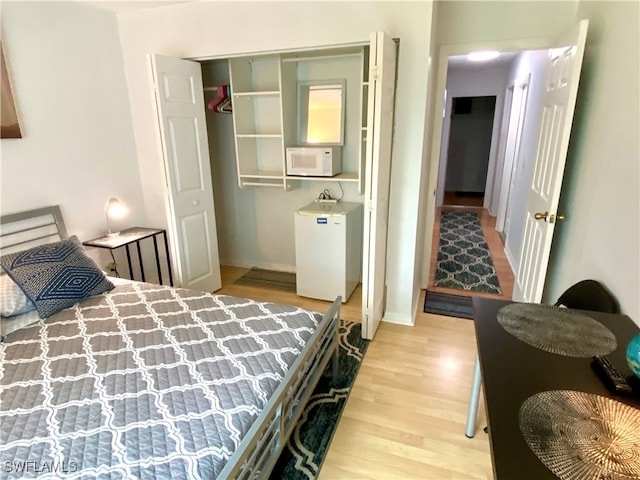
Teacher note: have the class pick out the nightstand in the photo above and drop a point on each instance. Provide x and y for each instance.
(134, 235)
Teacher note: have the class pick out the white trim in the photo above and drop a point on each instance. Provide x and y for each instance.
(269, 266)
(511, 259)
(512, 161)
(398, 318)
(496, 188)
(258, 53)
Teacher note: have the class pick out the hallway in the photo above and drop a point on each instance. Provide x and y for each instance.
(496, 247)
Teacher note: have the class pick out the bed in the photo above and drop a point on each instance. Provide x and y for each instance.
(149, 381)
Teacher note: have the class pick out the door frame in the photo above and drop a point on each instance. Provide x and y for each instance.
(502, 150)
(367, 240)
(445, 51)
(510, 162)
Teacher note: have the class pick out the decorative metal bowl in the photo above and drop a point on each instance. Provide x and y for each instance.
(633, 355)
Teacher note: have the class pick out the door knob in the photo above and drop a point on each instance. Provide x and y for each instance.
(554, 218)
(541, 216)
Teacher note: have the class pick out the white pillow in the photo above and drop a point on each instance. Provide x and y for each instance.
(10, 325)
(13, 300)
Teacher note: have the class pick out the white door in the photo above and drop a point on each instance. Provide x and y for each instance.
(563, 75)
(183, 132)
(382, 73)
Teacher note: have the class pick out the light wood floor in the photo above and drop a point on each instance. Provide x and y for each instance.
(350, 311)
(405, 417)
(503, 269)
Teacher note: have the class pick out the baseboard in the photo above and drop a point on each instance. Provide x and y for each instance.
(266, 266)
(398, 318)
(511, 260)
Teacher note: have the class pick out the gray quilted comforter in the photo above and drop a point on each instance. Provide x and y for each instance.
(142, 382)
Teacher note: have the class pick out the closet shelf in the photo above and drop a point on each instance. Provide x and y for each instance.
(341, 177)
(263, 174)
(259, 135)
(265, 93)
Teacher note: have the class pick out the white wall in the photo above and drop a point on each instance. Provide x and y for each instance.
(533, 64)
(472, 82)
(477, 22)
(601, 192)
(426, 215)
(77, 149)
(194, 30)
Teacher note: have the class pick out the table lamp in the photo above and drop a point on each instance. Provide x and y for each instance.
(115, 211)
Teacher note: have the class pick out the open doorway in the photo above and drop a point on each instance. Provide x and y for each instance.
(469, 175)
(536, 176)
(469, 149)
(514, 82)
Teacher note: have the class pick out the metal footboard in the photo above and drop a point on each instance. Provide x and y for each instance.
(260, 449)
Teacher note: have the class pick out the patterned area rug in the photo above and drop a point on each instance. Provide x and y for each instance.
(257, 277)
(464, 260)
(306, 449)
(449, 305)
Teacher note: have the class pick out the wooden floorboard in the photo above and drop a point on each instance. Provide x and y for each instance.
(406, 414)
(405, 417)
(351, 310)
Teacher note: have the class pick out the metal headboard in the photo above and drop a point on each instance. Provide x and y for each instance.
(23, 230)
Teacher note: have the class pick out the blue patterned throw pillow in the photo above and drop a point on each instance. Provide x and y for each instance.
(57, 275)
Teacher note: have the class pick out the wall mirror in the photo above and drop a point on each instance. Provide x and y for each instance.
(321, 112)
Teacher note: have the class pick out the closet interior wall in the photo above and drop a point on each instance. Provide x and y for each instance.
(255, 225)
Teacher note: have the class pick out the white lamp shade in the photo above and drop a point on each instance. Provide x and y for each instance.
(116, 210)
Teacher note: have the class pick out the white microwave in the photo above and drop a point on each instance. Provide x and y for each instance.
(314, 161)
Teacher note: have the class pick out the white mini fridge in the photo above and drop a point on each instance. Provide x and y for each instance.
(328, 239)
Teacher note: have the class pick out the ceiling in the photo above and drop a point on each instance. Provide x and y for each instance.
(118, 6)
(461, 62)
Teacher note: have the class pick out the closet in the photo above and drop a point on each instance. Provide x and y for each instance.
(242, 154)
(265, 98)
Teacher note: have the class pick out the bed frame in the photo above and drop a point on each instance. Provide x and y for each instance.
(23, 230)
(261, 447)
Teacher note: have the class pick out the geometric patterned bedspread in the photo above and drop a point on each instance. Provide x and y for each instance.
(144, 381)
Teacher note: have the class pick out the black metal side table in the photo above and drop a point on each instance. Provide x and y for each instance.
(134, 235)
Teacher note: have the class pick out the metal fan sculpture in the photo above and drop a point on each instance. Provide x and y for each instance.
(582, 436)
(557, 330)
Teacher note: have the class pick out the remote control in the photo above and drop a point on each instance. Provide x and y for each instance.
(613, 379)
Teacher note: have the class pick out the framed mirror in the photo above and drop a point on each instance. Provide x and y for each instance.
(321, 112)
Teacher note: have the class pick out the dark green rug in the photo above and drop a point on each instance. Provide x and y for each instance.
(464, 259)
(449, 305)
(306, 449)
(258, 277)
